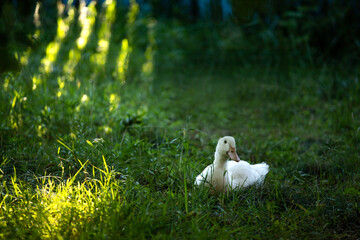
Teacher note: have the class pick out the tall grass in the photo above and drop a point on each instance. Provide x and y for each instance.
(92, 152)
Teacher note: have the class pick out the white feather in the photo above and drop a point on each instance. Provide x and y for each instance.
(224, 175)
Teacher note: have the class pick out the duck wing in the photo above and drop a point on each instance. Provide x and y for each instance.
(205, 175)
(262, 169)
(243, 174)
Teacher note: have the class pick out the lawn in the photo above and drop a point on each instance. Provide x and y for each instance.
(113, 115)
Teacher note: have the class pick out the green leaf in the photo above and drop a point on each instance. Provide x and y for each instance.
(90, 143)
(13, 102)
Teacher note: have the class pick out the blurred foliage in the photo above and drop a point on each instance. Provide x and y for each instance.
(321, 31)
(295, 32)
(291, 32)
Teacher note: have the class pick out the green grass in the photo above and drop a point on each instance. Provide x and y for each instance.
(87, 156)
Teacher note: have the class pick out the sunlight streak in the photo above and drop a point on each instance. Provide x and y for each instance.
(53, 47)
(133, 13)
(74, 58)
(87, 19)
(37, 21)
(104, 34)
(148, 66)
(61, 82)
(36, 80)
(114, 102)
(123, 60)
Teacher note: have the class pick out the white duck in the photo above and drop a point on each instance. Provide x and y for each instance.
(224, 175)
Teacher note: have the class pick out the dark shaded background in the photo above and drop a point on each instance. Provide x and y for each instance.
(315, 31)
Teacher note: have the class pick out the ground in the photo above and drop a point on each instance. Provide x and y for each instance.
(103, 135)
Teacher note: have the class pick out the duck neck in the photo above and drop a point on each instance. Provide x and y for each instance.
(220, 160)
(218, 178)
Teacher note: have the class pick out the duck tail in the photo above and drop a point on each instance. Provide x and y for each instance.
(261, 168)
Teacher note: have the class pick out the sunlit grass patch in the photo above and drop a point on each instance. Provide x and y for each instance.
(59, 207)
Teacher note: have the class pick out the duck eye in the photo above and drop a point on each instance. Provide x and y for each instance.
(225, 142)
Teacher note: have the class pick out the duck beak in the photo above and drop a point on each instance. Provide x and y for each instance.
(233, 155)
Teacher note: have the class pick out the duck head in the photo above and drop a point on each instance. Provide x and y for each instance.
(226, 147)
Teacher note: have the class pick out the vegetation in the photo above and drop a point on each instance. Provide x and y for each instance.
(114, 114)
